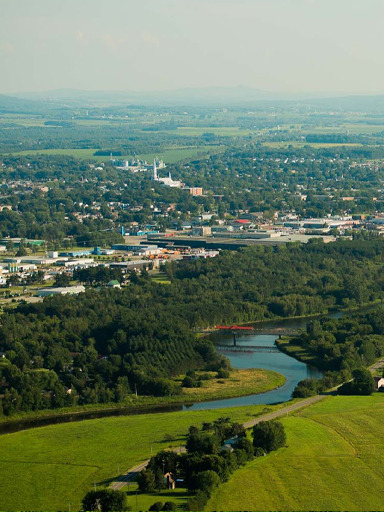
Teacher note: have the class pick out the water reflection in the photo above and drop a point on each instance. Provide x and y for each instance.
(293, 370)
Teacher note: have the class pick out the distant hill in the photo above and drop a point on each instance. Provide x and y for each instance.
(240, 96)
(13, 105)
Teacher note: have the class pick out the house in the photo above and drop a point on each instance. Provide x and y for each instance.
(379, 383)
(170, 479)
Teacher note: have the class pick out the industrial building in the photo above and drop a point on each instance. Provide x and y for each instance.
(69, 290)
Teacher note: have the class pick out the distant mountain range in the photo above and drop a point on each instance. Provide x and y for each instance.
(241, 96)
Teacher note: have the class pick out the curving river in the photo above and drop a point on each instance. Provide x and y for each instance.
(293, 371)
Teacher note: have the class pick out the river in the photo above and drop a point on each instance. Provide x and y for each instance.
(293, 371)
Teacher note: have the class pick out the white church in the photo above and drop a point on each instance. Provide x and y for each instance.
(168, 182)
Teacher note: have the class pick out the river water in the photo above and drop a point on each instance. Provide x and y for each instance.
(293, 371)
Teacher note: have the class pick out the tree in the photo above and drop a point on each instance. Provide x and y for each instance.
(207, 481)
(157, 506)
(363, 384)
(62, 280)
(146, 480)
(105, 500)
(169, 505)
(269, 435)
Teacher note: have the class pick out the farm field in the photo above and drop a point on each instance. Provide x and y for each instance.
(332, 461)
(223, 131)
(297, 144)
(51, 468)
(171, 155)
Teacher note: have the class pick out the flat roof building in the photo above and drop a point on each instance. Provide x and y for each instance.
(68, 290)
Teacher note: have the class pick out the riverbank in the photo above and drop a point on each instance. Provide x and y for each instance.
(240, 383)
(331, 312)
(298, 352)
(46, 468)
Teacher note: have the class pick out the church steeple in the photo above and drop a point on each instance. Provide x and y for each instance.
(155, 178)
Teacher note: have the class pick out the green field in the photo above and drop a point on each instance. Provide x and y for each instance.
(223, 131)
(51, 467)
(333, 461)
(297, 144)
(170, 156)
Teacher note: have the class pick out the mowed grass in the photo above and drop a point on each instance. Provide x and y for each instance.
(46, 468)
(333, 461)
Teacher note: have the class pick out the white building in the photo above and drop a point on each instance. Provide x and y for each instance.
(69, 290)
(168, 182)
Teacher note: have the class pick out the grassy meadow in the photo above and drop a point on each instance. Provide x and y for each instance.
(51, 468)
(240, 383)
(333, 461)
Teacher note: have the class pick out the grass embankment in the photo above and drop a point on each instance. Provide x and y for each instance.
(240, 383)
(51, 468)
(332, 461)
(298, 352)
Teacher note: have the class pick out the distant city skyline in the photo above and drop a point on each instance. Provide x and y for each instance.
(282, 46)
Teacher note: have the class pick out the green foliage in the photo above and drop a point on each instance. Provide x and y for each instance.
(363, 384)
(62, 280)
(269, 435)
(198, 501)
(106, 500)
(146, 480)
(157, 506)
(207, 481)
(169, 505)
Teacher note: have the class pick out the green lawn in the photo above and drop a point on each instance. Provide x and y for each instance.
(48, 467)
(333, 461)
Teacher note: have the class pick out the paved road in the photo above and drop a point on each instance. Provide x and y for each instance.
(131, 474)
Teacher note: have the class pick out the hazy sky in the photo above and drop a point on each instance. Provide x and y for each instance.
(276, 45)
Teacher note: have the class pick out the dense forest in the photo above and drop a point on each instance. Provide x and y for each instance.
(103, 345)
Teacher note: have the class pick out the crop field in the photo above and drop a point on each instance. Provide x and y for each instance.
(51, 468)
(333, 461)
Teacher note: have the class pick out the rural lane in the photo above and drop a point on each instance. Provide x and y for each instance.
(131, 474)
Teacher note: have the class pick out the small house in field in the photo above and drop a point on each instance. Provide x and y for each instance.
(379, 383)
(170, 480)
(114, 284)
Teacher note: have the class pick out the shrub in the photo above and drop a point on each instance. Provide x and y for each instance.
(157, 506)
(269, 435)
(169, 505)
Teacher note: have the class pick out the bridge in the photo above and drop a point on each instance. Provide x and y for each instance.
(247, 348)
(272, 331)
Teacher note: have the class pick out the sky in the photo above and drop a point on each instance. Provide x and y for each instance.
(294, 46)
